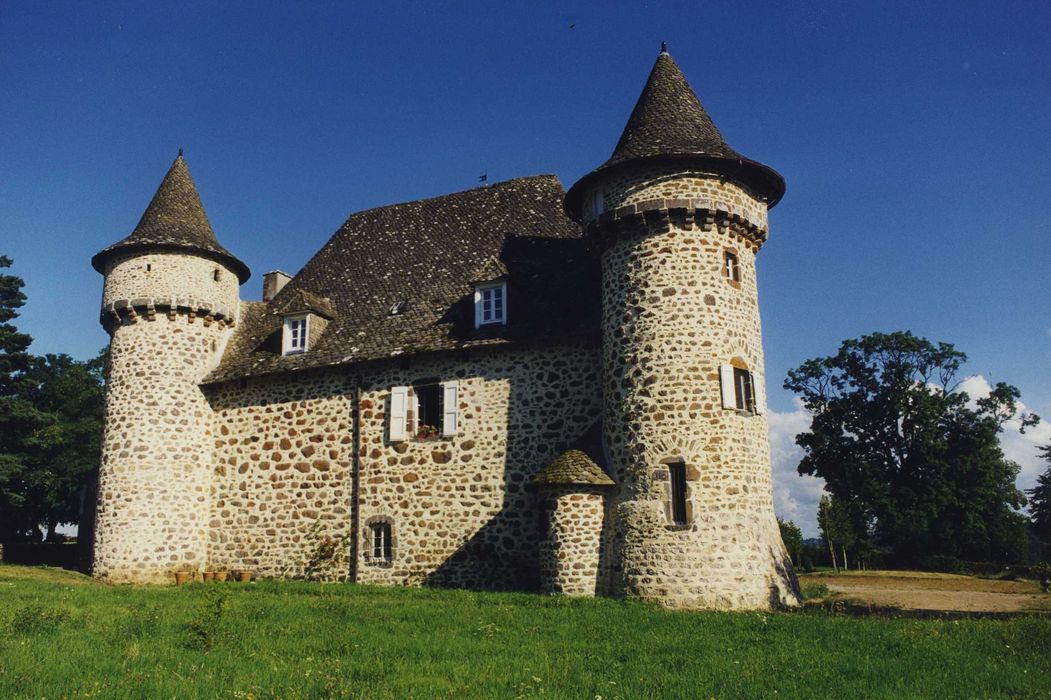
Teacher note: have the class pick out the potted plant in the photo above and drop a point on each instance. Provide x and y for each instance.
(244, 576)
(427, 432)
(221, 573)
(207, 576)
(182, 577)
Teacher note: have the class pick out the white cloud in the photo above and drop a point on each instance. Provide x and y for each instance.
(1018, 447)
(795, 497)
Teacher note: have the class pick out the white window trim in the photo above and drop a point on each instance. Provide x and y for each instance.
(450, 408)
(399, 408)
(286, 336)
(728, 388)
(479, 307)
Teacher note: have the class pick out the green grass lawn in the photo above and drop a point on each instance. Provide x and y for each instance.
(62, 635)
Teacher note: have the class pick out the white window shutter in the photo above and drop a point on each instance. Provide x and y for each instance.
(477, 307)
(759, 390)
(726, 381)
(399, 404)
(450, 408)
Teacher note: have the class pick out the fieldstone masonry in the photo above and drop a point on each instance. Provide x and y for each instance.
(557, 475)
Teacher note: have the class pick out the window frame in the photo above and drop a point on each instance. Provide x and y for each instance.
(678, 494)
(732, 266)
(288, 337)
(479, 304)
(381, 549)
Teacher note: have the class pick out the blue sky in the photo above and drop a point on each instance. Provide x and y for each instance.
(914, 138)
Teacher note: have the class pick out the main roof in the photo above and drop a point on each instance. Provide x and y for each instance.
(430, 253)
(669, 124)
(174, 220)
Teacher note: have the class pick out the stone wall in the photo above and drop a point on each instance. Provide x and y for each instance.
(671, 317)
(458, 508)
(155, 472)
(671, 182)
(570, 546)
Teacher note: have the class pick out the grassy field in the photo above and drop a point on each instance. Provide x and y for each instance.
(62, 635)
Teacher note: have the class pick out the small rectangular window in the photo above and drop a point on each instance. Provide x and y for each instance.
(732, 269)
(296, 335)
(382, 549)
(215, 274)
(490, 304)
(677, 472)
(428, 409)
(743, 393)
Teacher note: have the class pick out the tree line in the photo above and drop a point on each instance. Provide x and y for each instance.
(913, 467)
(50, 428)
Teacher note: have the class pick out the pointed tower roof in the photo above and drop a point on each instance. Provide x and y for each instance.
(669, 124)
(174, 220)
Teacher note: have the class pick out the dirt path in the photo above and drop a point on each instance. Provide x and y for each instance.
(936, 591)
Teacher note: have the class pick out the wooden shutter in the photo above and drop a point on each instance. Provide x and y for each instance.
(726, 381)
(399, 405)
(760, 393)
(450, 408)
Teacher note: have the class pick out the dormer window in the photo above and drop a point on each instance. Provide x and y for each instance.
(490, 304)
(399, 308)
(596, 203)
(296, 333)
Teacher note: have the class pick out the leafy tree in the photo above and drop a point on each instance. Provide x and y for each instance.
(792, 536)
(894, 437)
(50, 427)
(1040, 502)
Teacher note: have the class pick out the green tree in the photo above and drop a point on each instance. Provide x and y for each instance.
(50, 427)
(792, 536)
(893, 437)
(1040, 504)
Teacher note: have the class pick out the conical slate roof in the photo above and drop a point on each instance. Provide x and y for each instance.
(572, 468)
(668, 118)
(175, 220)
(669, 124)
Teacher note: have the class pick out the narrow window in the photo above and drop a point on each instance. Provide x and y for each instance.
(731, 268)
(382, 549)
(296, 335)
(428, 410)
(743, 394)
(597, 203)
(490, 304)
(149, 267)
(677, 471)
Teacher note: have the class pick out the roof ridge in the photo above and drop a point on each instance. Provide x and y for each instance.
(480, 189)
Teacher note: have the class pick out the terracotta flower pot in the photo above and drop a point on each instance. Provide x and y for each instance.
(182, 577)
(244, 576)
(208, 576)
(221, 575)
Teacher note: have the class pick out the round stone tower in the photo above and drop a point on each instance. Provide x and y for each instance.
(170, 300)
(678, 217)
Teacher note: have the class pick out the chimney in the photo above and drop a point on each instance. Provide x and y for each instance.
(274, 282)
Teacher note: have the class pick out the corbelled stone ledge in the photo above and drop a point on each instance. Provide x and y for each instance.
(147, 308)
(685, 213)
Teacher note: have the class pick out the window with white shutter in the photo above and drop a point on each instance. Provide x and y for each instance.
(450, 408)
(726, 383)
(399, 407)
(760, 393)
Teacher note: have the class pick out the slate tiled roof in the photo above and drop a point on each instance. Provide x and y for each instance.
(669, 124)
(303, 301)
(572, 467)
(174, 220)
(429, 253)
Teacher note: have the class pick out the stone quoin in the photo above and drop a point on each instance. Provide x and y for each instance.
(511, 387)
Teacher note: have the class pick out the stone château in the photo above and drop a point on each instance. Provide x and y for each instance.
(512, 387)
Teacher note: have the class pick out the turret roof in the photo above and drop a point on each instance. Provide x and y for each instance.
(572, 468)
(670, 124)
(175, 220)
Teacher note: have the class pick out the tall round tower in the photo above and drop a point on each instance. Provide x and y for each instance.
(678, 218)
(170, 299)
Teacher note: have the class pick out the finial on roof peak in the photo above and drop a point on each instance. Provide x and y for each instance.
(664, 47)
(180, 153)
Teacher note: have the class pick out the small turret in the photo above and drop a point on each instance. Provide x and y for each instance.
(677, 217)
(170, 300)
